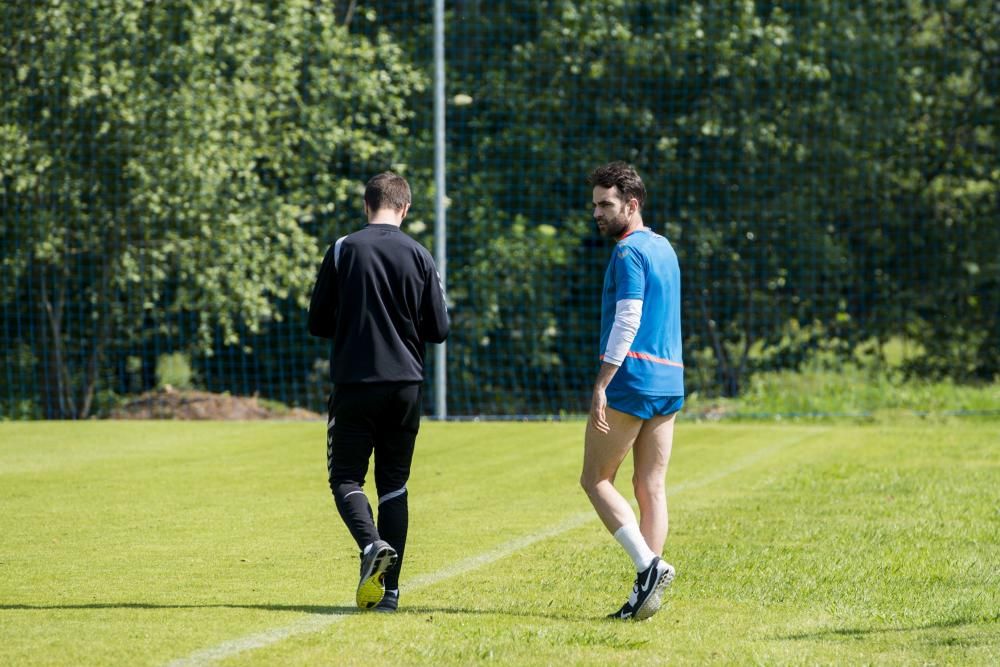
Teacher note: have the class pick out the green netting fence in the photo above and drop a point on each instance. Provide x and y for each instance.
(171, 173)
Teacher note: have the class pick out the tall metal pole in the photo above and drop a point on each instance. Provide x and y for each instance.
(440, 229)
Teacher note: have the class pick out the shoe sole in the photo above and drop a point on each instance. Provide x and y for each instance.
(652, 604)
(371, 589)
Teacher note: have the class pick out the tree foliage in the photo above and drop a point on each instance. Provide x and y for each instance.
(170, 173)
(165, 167)
(826, 171)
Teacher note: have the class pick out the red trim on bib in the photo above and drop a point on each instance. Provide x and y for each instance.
(649, 357)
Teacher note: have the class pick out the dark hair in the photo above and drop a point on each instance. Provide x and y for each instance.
(387, 190)
(622, 176)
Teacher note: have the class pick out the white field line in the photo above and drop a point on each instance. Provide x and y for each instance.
(316, 623)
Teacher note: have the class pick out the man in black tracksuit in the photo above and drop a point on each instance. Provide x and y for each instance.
(379, 298)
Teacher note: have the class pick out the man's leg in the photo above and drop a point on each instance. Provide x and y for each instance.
(651, 454)
(350, 441)
(348, 447)
(399, 423)
(603, 454)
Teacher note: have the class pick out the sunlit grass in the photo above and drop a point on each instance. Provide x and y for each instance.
(143, 543)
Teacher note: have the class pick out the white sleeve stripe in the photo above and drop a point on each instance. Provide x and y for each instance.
(336, 252)
(628, 312)
(444, 295)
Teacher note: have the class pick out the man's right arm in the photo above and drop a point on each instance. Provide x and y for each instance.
(324, 302)
(434, 322)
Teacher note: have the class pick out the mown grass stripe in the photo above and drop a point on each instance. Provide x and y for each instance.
(313, 624)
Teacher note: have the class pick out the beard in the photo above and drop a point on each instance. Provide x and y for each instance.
(613, 228)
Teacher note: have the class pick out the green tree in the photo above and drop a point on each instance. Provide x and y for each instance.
(945, 188)
(785, 149)
(165, 166)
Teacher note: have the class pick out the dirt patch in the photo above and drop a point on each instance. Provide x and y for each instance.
(170, 403)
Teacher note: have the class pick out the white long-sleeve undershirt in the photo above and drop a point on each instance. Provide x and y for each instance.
(628, 312)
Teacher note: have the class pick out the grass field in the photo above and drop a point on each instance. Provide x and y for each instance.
(192, 543)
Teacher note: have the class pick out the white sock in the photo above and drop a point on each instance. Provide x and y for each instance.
(635, 545)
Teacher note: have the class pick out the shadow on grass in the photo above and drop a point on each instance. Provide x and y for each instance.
(864, 632)
(306, 609)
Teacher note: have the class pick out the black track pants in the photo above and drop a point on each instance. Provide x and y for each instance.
(379, 418)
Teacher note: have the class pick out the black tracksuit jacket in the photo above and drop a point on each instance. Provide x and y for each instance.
(379, 297)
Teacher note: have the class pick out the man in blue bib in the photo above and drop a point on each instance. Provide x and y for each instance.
(640, 384)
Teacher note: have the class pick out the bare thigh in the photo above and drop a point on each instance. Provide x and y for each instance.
(651, 451)
(603, 453)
